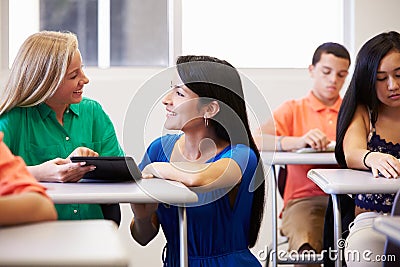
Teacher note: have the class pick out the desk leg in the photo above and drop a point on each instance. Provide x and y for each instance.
(337, 229)
(183, 236)
(274, 217)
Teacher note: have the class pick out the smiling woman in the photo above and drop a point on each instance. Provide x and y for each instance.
(216, 153)
(46, 120)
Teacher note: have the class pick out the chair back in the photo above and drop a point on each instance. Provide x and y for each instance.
(282, 176)
(396, 205)
(112, 212)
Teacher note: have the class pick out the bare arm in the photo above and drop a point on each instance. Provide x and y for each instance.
(26, 208)
(219, 174)
(266, 140)
(144, 226)
(355, 148)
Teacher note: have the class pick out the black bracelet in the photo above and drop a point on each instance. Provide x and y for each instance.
(365, 156)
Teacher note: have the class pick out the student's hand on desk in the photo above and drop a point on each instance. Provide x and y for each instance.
(60, 170)
(383, 165)
(316, 139)
(147, 175)
(83, 152)
(150, 171)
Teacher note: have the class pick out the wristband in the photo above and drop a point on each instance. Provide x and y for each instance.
(279, 144)
(365, 156)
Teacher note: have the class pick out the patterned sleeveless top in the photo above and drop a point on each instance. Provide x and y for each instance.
(378, 202)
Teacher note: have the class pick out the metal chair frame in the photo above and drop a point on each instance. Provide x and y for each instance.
(273, 248)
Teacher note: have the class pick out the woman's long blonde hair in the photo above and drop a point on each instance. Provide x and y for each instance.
(38, 69)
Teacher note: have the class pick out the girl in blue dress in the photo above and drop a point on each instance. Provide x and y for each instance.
(216, 156)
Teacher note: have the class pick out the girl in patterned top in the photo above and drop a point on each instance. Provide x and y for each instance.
(368, 137)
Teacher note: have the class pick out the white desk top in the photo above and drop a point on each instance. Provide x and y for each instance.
(282, 158)
(390, 226)
(62, 243)
(143, 191)
(348, 181)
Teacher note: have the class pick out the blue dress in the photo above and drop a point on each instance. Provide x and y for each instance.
(217, 233)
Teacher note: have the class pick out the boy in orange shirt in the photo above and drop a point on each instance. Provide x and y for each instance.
(307, 122)
(22, 198)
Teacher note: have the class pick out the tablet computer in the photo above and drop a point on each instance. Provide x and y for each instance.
(111, 168)
(313, 150)
(329, 148)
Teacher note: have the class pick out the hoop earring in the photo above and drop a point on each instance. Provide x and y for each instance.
(205, 121)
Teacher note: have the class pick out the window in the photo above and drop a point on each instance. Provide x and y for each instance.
(110, 32)
(79, 17)
(261, 33)
(149, 33)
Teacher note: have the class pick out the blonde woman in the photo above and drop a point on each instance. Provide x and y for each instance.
(45, 118)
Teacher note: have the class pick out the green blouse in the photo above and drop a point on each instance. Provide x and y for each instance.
(35, 134)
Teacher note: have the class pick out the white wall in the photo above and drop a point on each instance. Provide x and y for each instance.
(115, 88)
(373, 17)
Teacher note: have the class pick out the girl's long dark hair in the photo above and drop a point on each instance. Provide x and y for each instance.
(217, 79)
(362, 87)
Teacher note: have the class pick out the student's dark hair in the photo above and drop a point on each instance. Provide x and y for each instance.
(215, 79)
(362, 87)
(336, 49)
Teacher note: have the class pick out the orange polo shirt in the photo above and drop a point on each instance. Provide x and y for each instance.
(14, 175)
(296, 118)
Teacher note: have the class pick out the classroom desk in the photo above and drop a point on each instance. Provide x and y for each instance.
(348, 181)
(63, 243)
(389, 226)
(287, 158)
(142, 191)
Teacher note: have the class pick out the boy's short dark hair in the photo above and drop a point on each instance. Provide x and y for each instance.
(330, 48)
